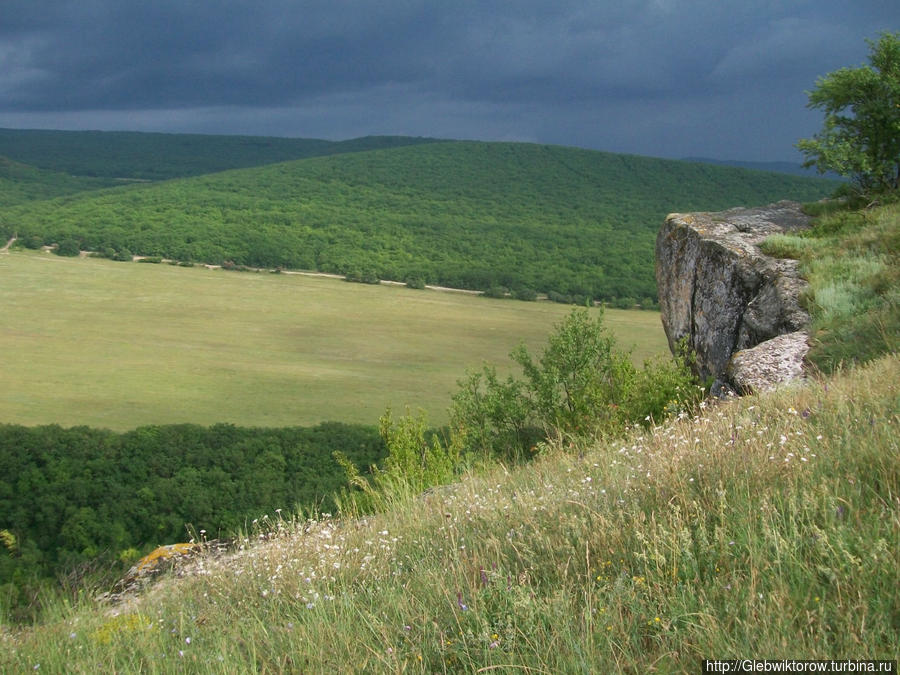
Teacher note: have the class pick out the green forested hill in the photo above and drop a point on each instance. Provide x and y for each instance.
(156, 156)
(20, 183)
(464, 214)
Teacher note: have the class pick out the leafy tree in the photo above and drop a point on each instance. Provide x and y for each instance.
(861, 135)
(581, 376)
(527, 294)
(34, 242)
(497, 292)
(495, 416)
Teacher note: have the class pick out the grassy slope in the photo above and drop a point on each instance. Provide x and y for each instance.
(852, 262)
(767, 527)
(117, 345)
(463, 214)
(156, 156)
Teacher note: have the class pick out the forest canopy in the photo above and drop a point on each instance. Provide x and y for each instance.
(522, 217)
(69, 496)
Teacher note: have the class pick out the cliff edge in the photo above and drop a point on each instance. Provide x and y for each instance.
(737, 308)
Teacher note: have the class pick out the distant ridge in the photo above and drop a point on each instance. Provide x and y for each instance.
(160, 156)
(20, 183)
(778, 167)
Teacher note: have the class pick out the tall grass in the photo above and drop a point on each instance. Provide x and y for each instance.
(766, 527)
(851, 259)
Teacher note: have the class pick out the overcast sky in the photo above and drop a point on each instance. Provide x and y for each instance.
(670, 78)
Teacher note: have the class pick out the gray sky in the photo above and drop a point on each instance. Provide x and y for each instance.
(670, 78)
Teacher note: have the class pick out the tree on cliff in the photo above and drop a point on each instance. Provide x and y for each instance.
(861, 135)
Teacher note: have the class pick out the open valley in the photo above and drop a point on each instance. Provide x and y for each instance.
(118, 345)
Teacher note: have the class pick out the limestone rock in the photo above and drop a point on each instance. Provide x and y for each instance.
(719, 292)
(159, 560)
(769, 364)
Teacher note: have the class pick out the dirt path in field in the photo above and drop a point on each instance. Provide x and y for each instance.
(324, 275)
(328, 275)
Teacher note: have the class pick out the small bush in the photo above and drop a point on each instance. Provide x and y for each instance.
(581, 384)
(497, 292)
(68, 247)
(624, 303)
(362, 277)
(526, 294)
(415, 282)
(34, 242)
(414, 463)
(554, 296)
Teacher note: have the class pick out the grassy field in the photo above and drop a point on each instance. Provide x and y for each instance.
(117, 345)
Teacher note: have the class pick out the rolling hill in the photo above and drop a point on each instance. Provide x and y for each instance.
(158, 156)
(21, 183)
(574, 223)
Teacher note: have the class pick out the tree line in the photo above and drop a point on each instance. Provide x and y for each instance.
(526, 218)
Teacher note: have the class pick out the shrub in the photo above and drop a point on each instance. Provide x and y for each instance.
(33, 242)
(415, 282)
(414, 463)
(68, 247)
(581, 384)
(555, 296)
(496, 292)
(624, 303)
(367, 276)
(527, 294)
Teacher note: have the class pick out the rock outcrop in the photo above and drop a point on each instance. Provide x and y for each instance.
(729, 301)
(159, 560)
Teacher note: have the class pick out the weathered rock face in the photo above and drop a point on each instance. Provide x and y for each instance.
(721, 293)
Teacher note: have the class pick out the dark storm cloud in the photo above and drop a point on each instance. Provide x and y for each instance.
(662, 77)
(175, 54)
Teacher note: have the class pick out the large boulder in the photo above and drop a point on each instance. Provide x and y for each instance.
(722, 295)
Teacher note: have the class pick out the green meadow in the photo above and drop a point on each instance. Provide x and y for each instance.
(119, 345)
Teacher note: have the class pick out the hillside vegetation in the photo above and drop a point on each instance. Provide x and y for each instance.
(574, 223)
(80, 500)
(157, 156)
(20, 183)
(851, 258)
(584, 515)
(767, 526)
